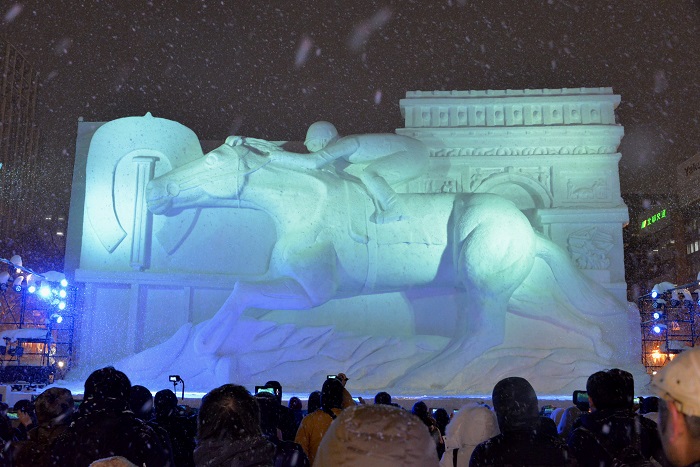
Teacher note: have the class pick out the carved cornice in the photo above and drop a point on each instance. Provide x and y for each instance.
(521, 151)
(512, 92)
(507, 108)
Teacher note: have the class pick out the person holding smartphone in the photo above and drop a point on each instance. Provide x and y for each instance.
(348, 400)
(315, 424)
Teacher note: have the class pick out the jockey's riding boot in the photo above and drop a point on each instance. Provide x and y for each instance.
(392, 211)
(389, 206)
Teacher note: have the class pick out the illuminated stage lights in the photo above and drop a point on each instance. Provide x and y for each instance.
(657, 315)
(675, 298)
(658, 328)
(654, 293)
(45, 291)
(56, 317)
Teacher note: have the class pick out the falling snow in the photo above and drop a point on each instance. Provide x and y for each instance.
(269, 72)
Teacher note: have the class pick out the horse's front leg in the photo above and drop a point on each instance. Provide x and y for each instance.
(305, 279)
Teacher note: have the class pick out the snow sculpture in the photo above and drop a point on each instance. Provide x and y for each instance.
(328, 248)
(252, 263)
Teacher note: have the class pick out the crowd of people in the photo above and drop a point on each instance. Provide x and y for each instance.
(117, 424)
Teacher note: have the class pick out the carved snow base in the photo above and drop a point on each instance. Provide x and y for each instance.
(377, 360)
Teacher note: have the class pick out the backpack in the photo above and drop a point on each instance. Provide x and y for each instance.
(630, 456)
(290, 454)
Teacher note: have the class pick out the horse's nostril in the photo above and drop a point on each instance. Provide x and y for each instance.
(173, 189)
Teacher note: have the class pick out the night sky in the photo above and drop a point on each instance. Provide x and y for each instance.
(270, 68)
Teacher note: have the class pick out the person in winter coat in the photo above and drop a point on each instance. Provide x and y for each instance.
(104, 427)
(287, 422)
(376, 435)
(612, 433)
(27, 419)
(314, 403)
(566, 423)
(348, 401)
(177, 427)
(54, 408)
(141, 404)
(296, 407)
(228, 430)
(520, 441)
(473, 424)
(315, 424)
(287, 453)
(420, 410)
(678, 387)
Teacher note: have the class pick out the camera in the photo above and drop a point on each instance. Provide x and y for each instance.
(259, 389)
(580, 400)
(331, 376)
(174, 378)
(546, 410)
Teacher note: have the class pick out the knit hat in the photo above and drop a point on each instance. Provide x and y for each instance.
(377, 435)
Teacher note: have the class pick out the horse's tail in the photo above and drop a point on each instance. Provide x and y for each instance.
(582, 292)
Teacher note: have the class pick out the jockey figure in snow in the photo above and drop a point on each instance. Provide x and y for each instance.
(390, 159)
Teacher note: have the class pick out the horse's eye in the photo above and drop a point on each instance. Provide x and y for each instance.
(211, 160)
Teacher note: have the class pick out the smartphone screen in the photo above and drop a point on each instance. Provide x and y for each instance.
(259, 389)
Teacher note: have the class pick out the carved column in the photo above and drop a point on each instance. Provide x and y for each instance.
(141, 228)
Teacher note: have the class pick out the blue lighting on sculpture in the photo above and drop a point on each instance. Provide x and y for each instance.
(44, 291)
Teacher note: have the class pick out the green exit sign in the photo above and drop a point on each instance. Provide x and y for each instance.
(653, 219)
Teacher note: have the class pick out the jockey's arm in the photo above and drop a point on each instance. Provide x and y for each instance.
(342, 148)
(295, 160)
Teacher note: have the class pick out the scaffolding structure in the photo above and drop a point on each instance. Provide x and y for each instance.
(36, 339)
(669, 324)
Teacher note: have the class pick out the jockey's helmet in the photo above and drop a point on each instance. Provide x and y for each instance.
(321, 132)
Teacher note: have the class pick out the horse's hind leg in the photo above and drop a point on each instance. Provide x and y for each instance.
(494, 259)
(494, 256)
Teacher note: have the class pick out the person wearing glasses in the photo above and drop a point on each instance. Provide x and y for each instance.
(678, 387)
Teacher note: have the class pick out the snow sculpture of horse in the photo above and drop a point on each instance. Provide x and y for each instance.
(327, 247)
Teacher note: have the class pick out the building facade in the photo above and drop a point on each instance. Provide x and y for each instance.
(19, 136)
